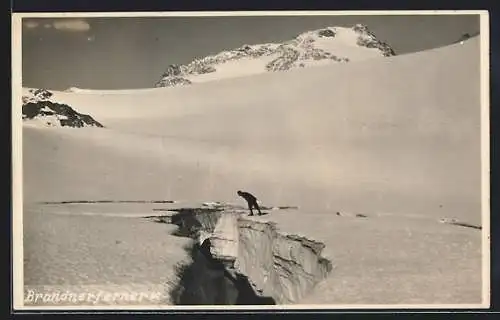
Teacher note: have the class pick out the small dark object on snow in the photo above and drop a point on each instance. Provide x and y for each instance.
(251, 200)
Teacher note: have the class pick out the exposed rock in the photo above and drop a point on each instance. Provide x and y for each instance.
(173, 82)
(55, 114)
(326, 33)
(38, 106)
(466, 36)
(284, 62)
(298, 52)
(368, 39)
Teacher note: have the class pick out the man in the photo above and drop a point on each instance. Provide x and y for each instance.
(251, 200)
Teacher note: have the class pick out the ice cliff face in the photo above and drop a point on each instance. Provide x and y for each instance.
(285, 267)
(323, 46)
(253, 255)
(38, 108)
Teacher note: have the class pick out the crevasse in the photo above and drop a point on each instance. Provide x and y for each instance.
(239, 260)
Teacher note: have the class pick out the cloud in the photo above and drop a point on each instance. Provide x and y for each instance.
(77, 25)
(71, 25)
(31, 24)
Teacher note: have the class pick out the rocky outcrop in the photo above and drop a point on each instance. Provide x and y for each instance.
(299, 52)
(37, 95)
(326, 33)
(172, 82)
(285, 61)
(466, 36)
(55, 114)
(367, 39)
(38, 106)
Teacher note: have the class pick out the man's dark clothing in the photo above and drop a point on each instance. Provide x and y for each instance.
(251, 200)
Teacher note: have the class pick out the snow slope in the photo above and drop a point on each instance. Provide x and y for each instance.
(399, 128)
(398, 136)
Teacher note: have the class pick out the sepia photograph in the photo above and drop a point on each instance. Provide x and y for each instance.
(239, 160)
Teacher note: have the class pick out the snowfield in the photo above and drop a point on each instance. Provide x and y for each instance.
(396, 139)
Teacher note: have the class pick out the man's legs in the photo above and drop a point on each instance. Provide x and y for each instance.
(257, 207)
(250, 208)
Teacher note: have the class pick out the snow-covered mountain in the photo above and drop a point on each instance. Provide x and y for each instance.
(39, 109)
(318, 47)
(396, 139)
(466, 36)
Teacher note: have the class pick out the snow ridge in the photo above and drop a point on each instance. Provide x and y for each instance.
(328, 45)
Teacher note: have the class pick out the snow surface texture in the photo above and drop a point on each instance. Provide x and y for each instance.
(318, 47)
(69, 251)
(396, 139)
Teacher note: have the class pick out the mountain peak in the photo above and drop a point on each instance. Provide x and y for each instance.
(466, 36)
(360, 28)
(37, 95)
(315, 47)
(40, 109)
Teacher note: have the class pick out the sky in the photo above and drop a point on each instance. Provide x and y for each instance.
(133, 52)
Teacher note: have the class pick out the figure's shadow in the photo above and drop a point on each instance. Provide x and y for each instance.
(257, 215)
